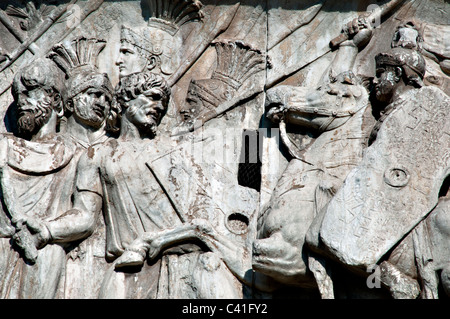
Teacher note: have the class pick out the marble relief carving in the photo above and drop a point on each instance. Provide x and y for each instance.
(224, 149)
(236, 63)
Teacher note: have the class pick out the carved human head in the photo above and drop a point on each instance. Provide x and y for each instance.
(144, 99)
(38, 90)
(89, 98)
(89, 92)
(137, 53)
(397, 64)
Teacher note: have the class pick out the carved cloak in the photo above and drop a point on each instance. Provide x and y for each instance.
(37, 180)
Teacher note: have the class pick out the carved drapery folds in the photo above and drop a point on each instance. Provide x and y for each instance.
(210, 149)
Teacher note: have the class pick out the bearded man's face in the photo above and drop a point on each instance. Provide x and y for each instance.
(146, 111)
(34, 109)
(386, 80)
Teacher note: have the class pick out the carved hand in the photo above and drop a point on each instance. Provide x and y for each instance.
(276, 258)
(276, 113)
(359, 30)
(31, 234)
(202, 227)
(136, 252)
(38, 230)
(130, 258)
(150, 244)
(24, 240)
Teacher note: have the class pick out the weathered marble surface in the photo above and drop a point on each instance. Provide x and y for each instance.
(223, 149)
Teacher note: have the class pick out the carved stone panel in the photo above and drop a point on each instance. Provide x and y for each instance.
(224, 149)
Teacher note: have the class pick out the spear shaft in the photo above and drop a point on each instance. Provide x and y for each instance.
(8, 25)
(375, 15)
(43, 27)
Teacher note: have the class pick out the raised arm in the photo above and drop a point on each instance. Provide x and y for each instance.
(360, 33)
(302, 105)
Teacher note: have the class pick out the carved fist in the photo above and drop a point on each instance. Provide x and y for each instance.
(276, 258)
(276, 114)
(36, 228)
(129, 258)
(202, 226)
(359, 30)
(31, 234)
(135, 253)
(25, 241)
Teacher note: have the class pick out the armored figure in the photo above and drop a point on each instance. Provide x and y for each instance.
(90, 118)
(89, 111)
(159, 149)
(385, 214)
(134, 202)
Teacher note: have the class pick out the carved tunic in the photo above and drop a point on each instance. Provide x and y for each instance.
(33, 174)
(133, 201)
(39, 179)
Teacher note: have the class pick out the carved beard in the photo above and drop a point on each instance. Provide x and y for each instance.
(383, 91)
(144, 125)
(31, 121)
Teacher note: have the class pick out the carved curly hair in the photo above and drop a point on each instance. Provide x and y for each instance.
(144, 83)
(41, 73)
